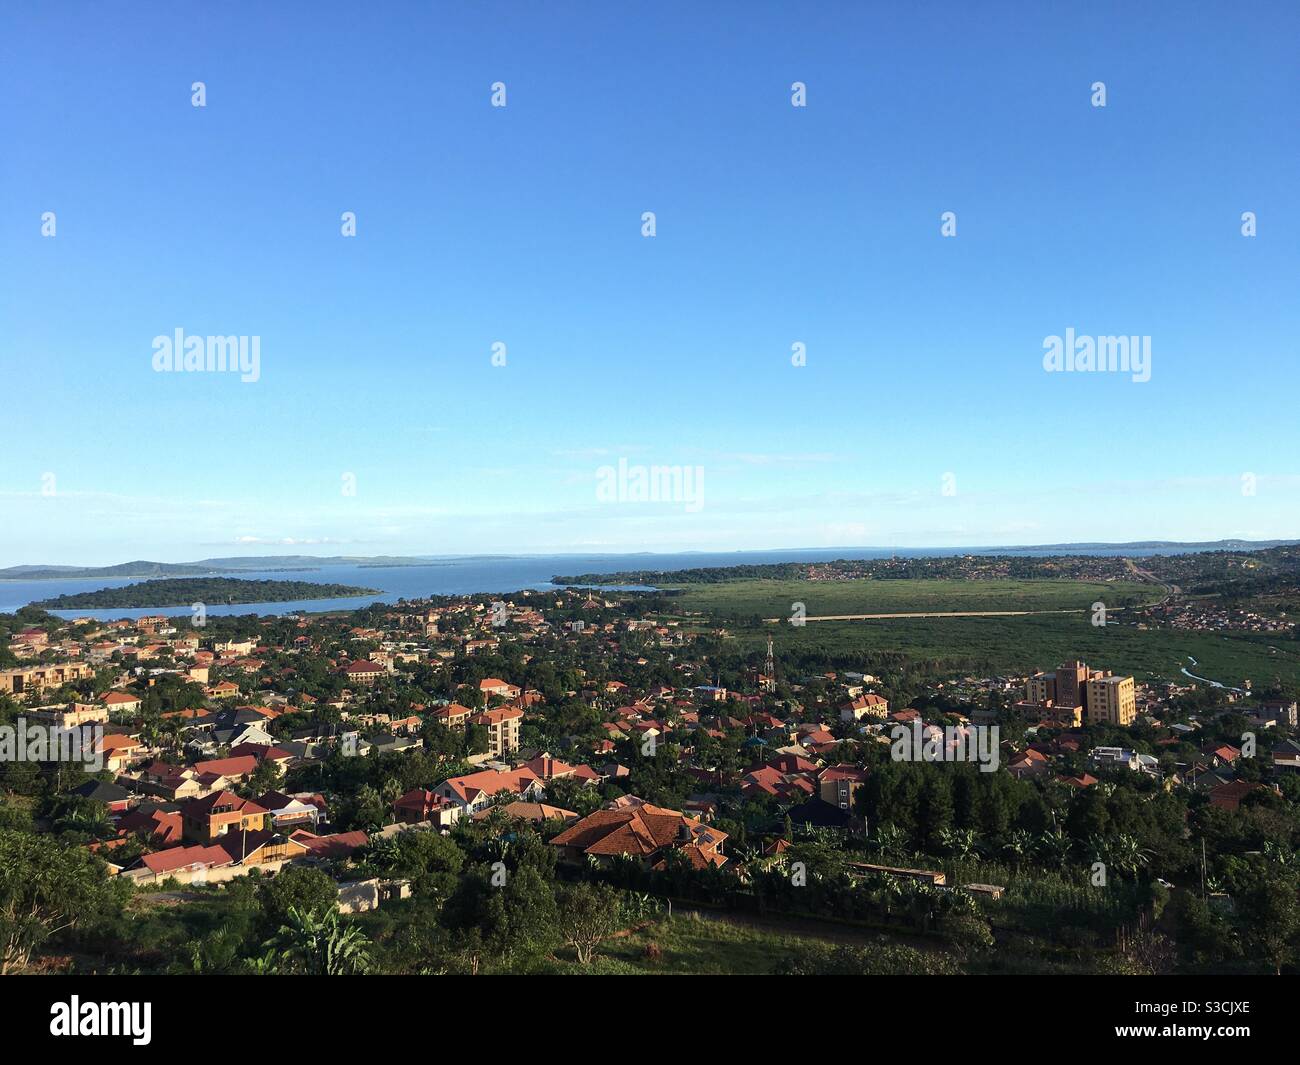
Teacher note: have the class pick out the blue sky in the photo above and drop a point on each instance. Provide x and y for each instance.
(522, 225)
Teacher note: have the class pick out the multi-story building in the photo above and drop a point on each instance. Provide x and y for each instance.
(502, 727)
(208, 818)
(1074, 693)
(872, 705)
(838, 785)
(1070, 681)
(453, 715)
(73, 715)
(363, 672)
(38, 678)
(1040, 689)
(1110, 701)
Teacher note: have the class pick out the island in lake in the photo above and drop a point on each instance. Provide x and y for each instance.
(212, 590)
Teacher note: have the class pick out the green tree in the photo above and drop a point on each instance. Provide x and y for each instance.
(45, 888)
(295, 887)
(589, 914)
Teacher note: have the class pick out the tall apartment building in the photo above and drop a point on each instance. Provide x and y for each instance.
(1041, 689)
(1110, 700)
(502, 726)
(1070, 681)
(1100, 696)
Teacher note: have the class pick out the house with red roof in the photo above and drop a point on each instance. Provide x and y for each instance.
(120, 752)
(239, 768)
(453, 715)
(645, 832)
(363, 672)
(1229, 796)
(873, 706)
(153, 824)
(332, 847)
(122, 702)
(1030, 763)
(214, 815)
(474, 791)
(496, 686)
(419, 806)
(184, 862)
(839, 784)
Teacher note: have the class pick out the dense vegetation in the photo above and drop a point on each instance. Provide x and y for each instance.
(1206, 568)
(209, 590)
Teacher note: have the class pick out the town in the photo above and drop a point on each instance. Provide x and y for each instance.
(595, 780)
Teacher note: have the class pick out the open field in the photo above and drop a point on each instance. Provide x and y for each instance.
(717, 945)
(766, 599)
(1023, 644)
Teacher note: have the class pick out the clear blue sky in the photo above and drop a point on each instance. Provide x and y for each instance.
(522, 224)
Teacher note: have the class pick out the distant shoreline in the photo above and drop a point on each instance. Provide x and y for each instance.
(233, 567)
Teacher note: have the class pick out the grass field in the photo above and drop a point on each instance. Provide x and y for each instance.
(769, 599)
(1017, 645)
(690, 945)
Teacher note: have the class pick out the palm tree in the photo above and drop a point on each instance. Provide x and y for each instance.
(1125, 854)
(889, 839)
(316, 944)
(1054, 847)
(1018, 846)
(959, 842)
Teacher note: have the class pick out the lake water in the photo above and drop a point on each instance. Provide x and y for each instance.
(466, 575)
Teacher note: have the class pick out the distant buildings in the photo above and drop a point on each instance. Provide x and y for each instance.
(363, 672)
(871, 705)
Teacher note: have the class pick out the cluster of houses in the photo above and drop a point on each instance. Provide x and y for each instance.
(1198, 615)
(197, 788)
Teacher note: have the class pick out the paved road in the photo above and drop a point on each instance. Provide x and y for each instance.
(935, 614)
(1170, 590)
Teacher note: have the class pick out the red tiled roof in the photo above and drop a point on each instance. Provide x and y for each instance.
(179, 857)
(638, 830)
(362, 667)
(338, 845)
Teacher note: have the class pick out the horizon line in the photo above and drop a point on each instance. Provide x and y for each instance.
(616, 553)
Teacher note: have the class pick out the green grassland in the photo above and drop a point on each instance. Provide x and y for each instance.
(774, 598)
(1023, 644)
(714, 946)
